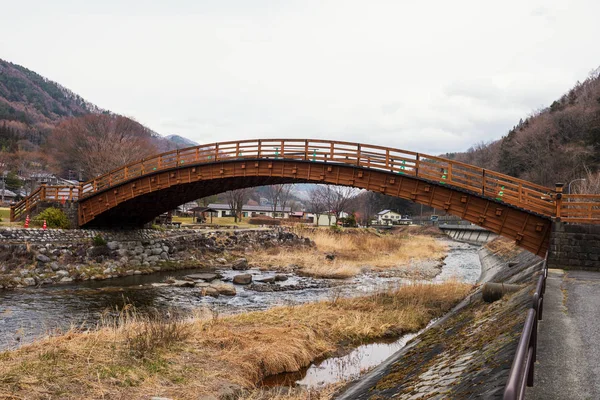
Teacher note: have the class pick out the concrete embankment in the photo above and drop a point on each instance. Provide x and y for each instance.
(468, 353)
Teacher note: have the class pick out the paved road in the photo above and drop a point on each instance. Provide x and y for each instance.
(568, 364)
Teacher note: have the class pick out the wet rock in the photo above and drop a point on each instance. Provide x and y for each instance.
(209, 291)
(225, 289)
(42, 258)
(206, 276)
(137, 272)
(178, 283)
(221, 260)
(112, 245)
(241, 264)
(62, 273)
(156, 284)
(54, 266)
(280, 278)
(29, 281)
(66, 279)
(243, 279)
(269, 279)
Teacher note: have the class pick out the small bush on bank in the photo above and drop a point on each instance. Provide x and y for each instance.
(54, 217)
(98, 241)
(264, 221)
(335, 228)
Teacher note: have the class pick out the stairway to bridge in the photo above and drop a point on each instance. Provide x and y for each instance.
(134, 194)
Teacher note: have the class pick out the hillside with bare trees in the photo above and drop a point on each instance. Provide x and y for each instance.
(555, 144)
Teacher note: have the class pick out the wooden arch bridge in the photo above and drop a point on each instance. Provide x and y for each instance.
(136, 193)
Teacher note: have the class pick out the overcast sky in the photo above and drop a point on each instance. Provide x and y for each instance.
(431, 76)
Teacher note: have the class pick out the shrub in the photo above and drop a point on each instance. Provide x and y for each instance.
(264, 221)
(335, 228)
(54, 217)
(98, 241)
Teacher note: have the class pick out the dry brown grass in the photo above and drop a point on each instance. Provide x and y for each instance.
(354, 252)
(503, 247)
(209, 353)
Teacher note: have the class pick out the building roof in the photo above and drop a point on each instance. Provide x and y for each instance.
(387, 211)
(7, 193)
(246, 207)
(202, 209)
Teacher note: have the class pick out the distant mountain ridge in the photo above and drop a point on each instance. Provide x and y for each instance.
(180, 141)
(32, 105)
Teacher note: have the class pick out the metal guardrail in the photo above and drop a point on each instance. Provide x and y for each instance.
(522, 369)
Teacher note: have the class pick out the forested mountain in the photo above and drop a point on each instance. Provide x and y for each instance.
(31, 107)
(555, 144)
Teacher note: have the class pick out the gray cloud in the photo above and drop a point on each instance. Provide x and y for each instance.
(391, 73)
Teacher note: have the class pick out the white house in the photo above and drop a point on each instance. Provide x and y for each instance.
(224, 210)
(388, 217)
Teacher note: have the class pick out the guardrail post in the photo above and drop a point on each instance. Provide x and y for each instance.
(559, 190)
(43, 191)
(12, 213)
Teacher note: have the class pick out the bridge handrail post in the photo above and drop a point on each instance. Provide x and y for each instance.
(282, 150)
(483, 182)
(217, 152)
(387, 158)
(12, 212)
(259, 147)
(417, 164)
(306, 150)
(358, 155)
(331, 151)
(559, 191)
(43, 191)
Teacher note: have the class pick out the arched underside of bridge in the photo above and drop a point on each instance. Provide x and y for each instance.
(139, 200)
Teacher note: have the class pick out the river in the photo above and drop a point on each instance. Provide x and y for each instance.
(29, 313)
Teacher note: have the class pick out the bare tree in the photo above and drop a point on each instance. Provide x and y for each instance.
(335, 199)
(279, 195)
(316, 203)
(98, 143)
(236, 200)
(368, 204)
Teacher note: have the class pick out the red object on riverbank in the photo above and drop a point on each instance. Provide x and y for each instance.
(44, 227)
(27, 222)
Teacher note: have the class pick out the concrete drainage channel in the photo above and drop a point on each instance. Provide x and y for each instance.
(468, 352)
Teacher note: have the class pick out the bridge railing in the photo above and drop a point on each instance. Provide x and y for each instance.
(507, 189)
(580, 208)
(43, 193)
(504, 188)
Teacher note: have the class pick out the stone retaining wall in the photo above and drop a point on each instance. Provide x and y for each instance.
(38, 235)
(31, 257)
(574, 246)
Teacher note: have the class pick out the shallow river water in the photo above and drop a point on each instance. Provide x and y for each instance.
(26, 314)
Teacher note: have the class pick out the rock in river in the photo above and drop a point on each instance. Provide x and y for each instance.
(241, 264)
(243, 279)
(225, 289)
(207, 276)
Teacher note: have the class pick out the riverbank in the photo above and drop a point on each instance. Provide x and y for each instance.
(34, 257)
(468, 353)
(184, 358)
(354, 251)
